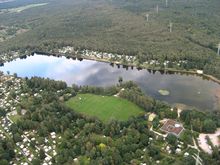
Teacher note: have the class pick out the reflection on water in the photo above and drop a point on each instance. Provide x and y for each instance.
(186, 89)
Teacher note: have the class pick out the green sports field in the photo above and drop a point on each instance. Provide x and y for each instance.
(104, 107)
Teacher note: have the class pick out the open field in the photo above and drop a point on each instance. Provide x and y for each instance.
(22, 8)
(104, 107)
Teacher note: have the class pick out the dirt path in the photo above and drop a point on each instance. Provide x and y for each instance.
(117, 95)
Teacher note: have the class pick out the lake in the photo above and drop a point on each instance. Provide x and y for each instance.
(190, 90)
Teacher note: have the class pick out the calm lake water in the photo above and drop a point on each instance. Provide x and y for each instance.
(184, 89)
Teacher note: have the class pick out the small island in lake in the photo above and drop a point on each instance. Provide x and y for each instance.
(164, 92)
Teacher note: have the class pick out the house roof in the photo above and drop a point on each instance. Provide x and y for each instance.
(172, 126)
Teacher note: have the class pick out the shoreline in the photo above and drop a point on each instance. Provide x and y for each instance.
(173, 70)
(129, 67)
(165, 70)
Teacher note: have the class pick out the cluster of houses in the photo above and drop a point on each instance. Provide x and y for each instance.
(5, 124)
(2, 135)
(49, 146)
(5, 57)
(113, 57)
(6, 133)
(165, 63)
(170, 126)
(173, 127)
(67, 49)
(178, 150)
(28, 146)
(108, 56)
(23, 149)
(9, 84)
(97, 55)
(94, 55)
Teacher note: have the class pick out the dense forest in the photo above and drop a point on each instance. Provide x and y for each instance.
(120, 26)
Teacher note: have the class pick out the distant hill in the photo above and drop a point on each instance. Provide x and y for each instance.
(3, 1)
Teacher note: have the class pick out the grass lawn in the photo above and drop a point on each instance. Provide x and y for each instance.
(15, 118)
(104, 107)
